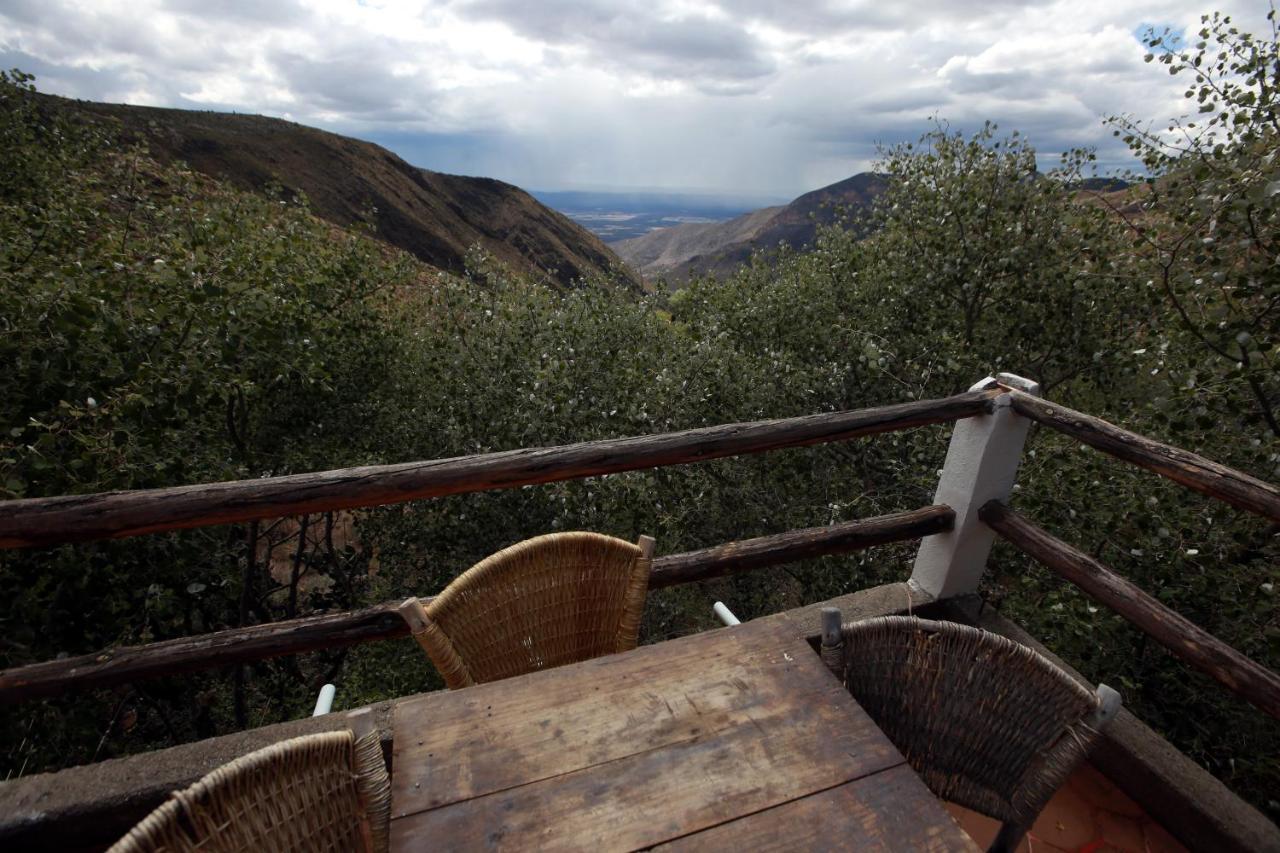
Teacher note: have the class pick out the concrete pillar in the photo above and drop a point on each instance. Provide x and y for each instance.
(981, 464)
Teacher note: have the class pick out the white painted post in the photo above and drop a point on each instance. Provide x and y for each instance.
(324, 702)
(725, 614)
(981, 464)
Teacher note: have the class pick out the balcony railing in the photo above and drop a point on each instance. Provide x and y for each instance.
(957, 531)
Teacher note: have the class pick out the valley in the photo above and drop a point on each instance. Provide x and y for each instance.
(678, 253)
(621, 215)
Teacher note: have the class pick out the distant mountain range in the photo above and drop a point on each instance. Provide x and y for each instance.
(679, 252)
(434, 216)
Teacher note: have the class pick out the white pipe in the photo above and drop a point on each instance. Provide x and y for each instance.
(726, 615)
(324, 702)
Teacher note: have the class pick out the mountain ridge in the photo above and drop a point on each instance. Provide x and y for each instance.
(680, 252)
(435, 216)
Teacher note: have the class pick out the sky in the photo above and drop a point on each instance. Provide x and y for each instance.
(764, 98)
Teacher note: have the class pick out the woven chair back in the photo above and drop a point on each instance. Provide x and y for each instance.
(986, 722)
(316, 793)
(544, 602)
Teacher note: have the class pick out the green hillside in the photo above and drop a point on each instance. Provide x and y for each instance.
(435, 217)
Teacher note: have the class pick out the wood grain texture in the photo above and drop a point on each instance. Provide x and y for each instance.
(1182, 466)
(113, 515)
(519, 731)
(634, 749)
(1189, 642)
(649, 797)
(203, 651)
(127, 664)
(883, 809)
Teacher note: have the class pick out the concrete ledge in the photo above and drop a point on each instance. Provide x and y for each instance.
(887, 600)
(92, 806)
(1188, 801)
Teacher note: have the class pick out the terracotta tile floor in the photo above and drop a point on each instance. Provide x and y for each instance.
(1089, 815)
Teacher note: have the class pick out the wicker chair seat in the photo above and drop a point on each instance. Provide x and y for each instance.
(541, 603)
(987, 723)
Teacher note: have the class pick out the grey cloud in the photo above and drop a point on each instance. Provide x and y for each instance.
(266, 12)
(568, 113)
(77, 81)
(64, 32)
(629, 37)
(357, 84)
(1015, 85)
(830, 17)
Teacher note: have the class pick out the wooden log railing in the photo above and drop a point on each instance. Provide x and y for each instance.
(1182, 466)
(113, 515)
(1192, 644)
(380, 622)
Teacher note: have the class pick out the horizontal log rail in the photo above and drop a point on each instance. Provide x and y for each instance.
(381, 622)
(1182, 466)
(1186, 640)
(795, 545)
(114, 515)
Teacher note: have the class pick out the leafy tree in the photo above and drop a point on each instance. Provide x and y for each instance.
(159, 329)
(1208, 234)
(977, 255)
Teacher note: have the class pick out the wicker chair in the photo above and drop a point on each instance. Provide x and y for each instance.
(321, 792)
(544, 602)
(988, 723)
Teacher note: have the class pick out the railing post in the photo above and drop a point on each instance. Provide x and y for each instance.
(832, 649)
(981, 464)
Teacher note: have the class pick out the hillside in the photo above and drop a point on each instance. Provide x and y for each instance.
(436, 217)
(680, 252)
(666, 248)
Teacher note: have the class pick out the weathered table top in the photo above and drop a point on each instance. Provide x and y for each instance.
(734, 737)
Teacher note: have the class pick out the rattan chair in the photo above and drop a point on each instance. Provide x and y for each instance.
(315, 793)
(988, 723)
(544, 602)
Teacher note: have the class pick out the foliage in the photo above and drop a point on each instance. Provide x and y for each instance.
(160, 329)
(977, 254)
(1210, 239)
(164, 329)
(978, 264)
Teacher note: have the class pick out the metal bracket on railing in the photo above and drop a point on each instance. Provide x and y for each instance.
(1109, 703)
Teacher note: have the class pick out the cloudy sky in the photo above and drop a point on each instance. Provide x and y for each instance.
(759, 97)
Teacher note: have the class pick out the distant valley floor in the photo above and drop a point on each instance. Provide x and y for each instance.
(616, 216)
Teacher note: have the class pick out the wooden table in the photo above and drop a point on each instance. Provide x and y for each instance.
(732, 738)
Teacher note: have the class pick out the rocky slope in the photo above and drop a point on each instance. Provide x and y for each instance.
(664, 249)
(675, 254)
